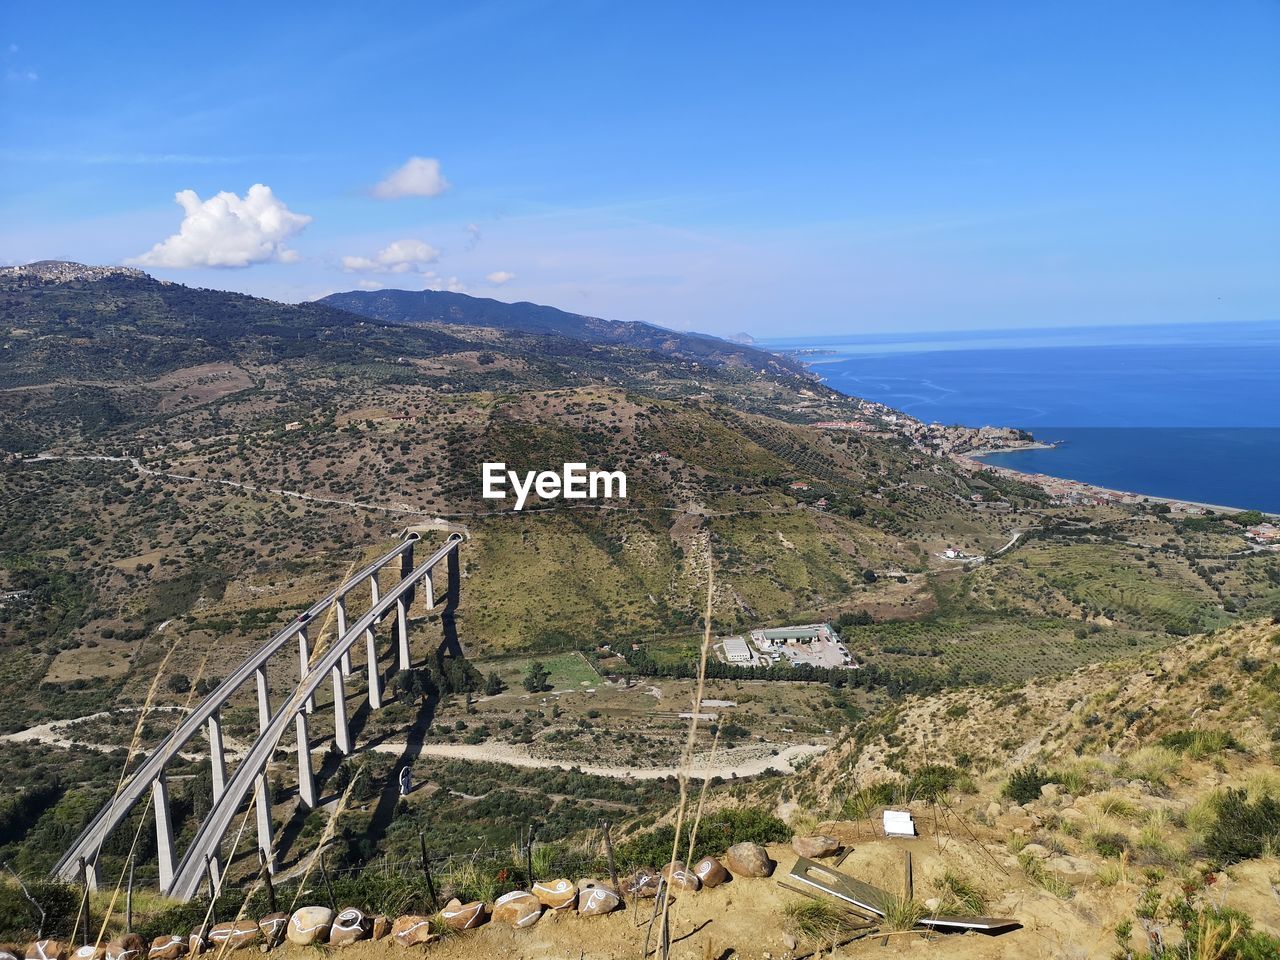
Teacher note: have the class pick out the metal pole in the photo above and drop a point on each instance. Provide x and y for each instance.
(128, 901)
(324, 872)
(426, 872)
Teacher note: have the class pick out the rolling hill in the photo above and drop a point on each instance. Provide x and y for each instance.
(443, 307)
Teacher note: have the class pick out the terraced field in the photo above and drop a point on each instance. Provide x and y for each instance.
(1108, 580)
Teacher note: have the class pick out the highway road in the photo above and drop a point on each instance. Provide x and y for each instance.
(190, 873)
(108, 818)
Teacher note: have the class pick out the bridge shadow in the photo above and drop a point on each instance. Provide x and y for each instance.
(450, 648)
(384, 812)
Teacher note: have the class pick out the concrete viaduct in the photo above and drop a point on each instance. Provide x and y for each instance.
(202, 861)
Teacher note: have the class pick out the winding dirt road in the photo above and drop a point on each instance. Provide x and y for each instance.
(783, 762)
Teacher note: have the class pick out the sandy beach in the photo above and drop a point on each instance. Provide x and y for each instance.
(971, 460)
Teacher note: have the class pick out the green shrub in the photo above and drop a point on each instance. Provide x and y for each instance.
(1025, 783)
(931, 782)
(1109, 844)
(19, 919)
(1243, 828)
(866, 799)
(1199, 743)
(717, 832)
(1222, 933)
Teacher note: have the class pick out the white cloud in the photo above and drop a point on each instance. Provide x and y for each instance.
(499, 277)
(437, 282)
(369, 284)
(402, 256)
(419, 177)
(228, 231)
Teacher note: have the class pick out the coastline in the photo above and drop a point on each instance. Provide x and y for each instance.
(970, 459)
(1068, 490)
(991, 451)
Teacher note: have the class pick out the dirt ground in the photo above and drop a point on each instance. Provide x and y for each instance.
(743, 918)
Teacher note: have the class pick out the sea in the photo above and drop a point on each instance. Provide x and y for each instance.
(1186, 411)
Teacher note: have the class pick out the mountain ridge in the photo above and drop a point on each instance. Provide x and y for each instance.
(419, 307)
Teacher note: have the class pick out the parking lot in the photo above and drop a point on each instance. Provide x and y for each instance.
(819, 653)
(816, 645)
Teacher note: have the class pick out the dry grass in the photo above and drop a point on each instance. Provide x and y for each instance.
(1203, 814)
(959, 896)
(816, 921)
(1042, 877)
(1153, 764)
(903, 913)
(1118, 807)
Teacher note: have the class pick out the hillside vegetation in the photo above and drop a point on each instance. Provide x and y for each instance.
(185, 470)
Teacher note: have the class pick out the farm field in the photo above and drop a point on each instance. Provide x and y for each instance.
(995, 650)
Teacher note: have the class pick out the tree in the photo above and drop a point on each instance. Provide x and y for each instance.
(535, 681)
(493, 685)
(409, 684)
(178, 683)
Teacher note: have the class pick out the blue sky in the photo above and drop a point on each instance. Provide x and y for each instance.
(774, 168)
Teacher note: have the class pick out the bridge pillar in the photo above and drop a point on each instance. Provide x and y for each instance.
(406, 568)
(264, 699)
(213, 870)
(217, 759)
(164, 831)
(455, 579)
(262, 799)
(341, 735)
(304, 664)
(306, 779)
(342, 632)
(90, 874)
(429, 590)
(402, 634)
(371, 652)
(375, 680)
